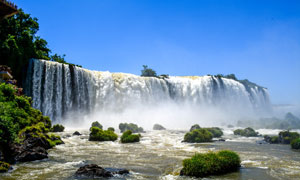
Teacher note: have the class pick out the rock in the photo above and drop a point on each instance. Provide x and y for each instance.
(95, 171)
(261, 142)
(33, 148)
(33, 154)
(222, 140)
(158, 127)
(76, 133)
(119, 171)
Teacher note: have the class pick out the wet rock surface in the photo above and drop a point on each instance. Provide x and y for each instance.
(76, 133)
(95, 171)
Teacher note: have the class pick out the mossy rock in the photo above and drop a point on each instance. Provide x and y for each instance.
(111, 129)
(271, 139)
(247, 132)
(158, 127)
(195, 126)
(40, 131)
(130, 126)
(202, 165)
(54, 140)
(58, 128)
(128, 137)
(295, 144)
(98, 134)
(97, 124)
(4, 167)
(198, 136)
(286, 137)
(216, 132)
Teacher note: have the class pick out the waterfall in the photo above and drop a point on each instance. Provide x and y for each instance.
(59, 90)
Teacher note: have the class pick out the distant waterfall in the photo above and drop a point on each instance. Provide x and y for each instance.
(58, 89)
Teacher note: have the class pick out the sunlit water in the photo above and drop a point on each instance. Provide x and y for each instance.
(159, 155)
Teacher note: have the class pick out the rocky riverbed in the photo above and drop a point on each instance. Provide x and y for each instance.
(159, 155)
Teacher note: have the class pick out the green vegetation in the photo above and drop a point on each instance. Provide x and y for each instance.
(216, 132)
(4, 167)
(98, 134)
(201, 165)
(132, 127)
(158, 127)
(128, 137)
(97, 124)
(198, 136)
(148, 72)
(58, 128)
(16, 114)
(295, 144)
(20, 123)
(271, 139)
(111, 129)
(19, 43)
(40, 131)
(248, 132)
(286, 137)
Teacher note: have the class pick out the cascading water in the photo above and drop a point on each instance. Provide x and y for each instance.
(61, 90)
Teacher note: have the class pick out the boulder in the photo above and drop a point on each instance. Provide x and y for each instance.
(95, 171)
(158, 127)
(32, 154)
(76, 133)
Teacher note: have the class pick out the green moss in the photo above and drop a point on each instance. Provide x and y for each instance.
(4, 167)
(111, 129)
(57, 128)
(198, 136)
(128, 137)
(40, 131)
(54, 140)
(132, 127)
(295, 144)
(201, 165)
(248, 132)
(97, 124)
(286, 137)
(98, 134)
(216, 132)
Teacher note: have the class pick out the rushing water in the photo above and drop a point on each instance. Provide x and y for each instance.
(159, 155)
(59, 90)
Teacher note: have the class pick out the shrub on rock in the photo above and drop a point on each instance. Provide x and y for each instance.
(158, 127)
(247, 132)
(98, 134)
(111, 129)
(132, 127)
(216, 132)
(286, 137)
(97, 124)
(271, 139)
(295, 144)
(128, 137)
(201, 165)
(57, 128)
(4, 167)
(198, 136)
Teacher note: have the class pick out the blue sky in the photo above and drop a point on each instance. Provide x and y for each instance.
(256, 40)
